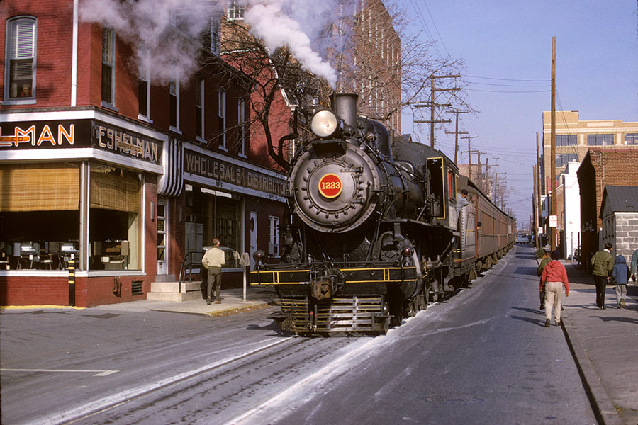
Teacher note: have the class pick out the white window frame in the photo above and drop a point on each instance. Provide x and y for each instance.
(221, 114)
(215, 35)
(145, 75)
(173, 90)
(241, 123)
(235, 12)
(15, 50)
(112, 64)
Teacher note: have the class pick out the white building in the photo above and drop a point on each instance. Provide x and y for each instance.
(571, 208)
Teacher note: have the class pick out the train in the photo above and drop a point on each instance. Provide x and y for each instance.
(376, 229)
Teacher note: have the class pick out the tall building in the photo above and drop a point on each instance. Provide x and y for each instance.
(367, 55)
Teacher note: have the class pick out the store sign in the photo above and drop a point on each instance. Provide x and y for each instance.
(44, 134)
(205, 166)
(123, 142)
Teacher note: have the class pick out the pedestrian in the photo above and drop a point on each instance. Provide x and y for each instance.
(554, 278)
(634, 265)
(602, 264)
(619, 277)
(539, 272)
(213, 261)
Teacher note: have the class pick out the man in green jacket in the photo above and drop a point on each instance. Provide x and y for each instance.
(539, 272)
(602, 264)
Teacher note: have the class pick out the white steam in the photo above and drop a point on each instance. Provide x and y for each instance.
(150, 25)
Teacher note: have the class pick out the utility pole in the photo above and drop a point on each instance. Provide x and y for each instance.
(469, 152)
(538, 189)
(535, 201)
(553, 144)
(456, 135)
(432, 104)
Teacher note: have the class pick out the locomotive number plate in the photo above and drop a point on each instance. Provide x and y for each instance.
(330, 185)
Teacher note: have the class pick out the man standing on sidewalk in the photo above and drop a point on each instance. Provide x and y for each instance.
(554, 278)
(539, 272)
(213, 261)
(602, 264)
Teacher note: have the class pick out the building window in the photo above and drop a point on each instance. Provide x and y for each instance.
(21, 54)
(221, 114)
(600, 139)
(215, 43)
(235, 12)
(631, 139)
(144, 90)
(562, 159)
(565, 140)
(108, 67)
(115, 198)
(199, 108)
(173, 89)
(273, 232)
(241, 123)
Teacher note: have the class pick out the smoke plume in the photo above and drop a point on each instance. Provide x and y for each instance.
(150, 25)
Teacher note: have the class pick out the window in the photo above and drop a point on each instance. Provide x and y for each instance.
(20, 72)
(241, 123)
(108, 67)
(631, 139)
(235, 12)
(144, 91)
(221, 114)
(214, 34)
(273, 232)
(600, 139)
(199, 108)
(173, 88)
(562, 159)
(565, 140)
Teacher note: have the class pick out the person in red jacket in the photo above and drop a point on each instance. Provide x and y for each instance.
(554, 277)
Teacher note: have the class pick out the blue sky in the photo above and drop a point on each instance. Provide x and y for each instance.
(507, 50)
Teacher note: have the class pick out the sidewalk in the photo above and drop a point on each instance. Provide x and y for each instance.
(605, 347)
(232, 302)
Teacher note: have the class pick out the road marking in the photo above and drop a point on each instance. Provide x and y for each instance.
(96, 372)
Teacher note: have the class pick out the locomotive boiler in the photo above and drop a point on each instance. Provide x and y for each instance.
(374, 231)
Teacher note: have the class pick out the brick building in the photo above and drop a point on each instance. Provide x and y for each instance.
(619, 214)
(601, 167)
(120, 172)
(574, 138)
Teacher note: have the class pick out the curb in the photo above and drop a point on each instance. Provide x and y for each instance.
(604, 410)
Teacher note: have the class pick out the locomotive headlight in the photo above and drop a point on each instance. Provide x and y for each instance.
(324, 123)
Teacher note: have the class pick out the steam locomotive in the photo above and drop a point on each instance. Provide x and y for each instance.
(376, 229)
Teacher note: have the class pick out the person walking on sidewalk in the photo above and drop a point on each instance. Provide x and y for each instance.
(554, 278)
(602, 263)
(619, 277)
(213, 261)
(539, 272)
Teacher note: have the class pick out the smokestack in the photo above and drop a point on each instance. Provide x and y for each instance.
(345, 105)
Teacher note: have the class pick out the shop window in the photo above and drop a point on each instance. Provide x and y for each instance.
(108, 67)
(273, 232)
(20, 60)
(39, 216)
(115, 198)
(220, 216)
